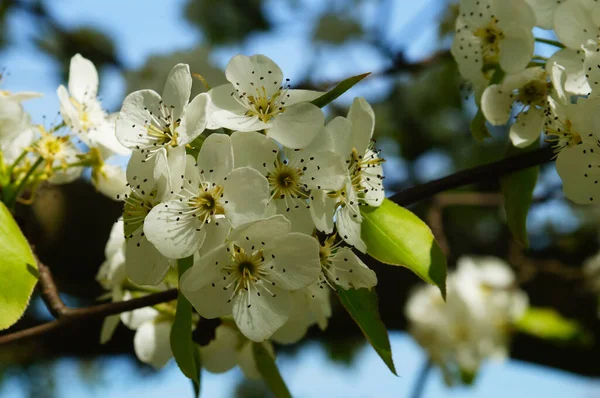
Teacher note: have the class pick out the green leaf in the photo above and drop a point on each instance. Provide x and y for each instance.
(184, 349)
(396, 236)
(18, 270)
(268, 370)
(478, 128)
(338, 90)
(362, 305)
(548, 324)
(517, 190)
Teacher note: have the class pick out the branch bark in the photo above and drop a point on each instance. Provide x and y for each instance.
(486, 172)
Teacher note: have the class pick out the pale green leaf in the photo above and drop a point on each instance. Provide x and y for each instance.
(268, 370)
(184, 349)
(338, 90)
(362, 305)
(517, 190)
(18, 270)
(396, 236)
(548, 324)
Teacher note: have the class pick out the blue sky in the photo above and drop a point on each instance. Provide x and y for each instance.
(142, 28)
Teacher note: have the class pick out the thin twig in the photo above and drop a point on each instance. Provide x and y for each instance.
(481, 173)
(49, 291)
(419, 386)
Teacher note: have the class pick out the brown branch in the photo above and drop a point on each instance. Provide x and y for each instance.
(66, 316)
(446, 199)
(481, 173)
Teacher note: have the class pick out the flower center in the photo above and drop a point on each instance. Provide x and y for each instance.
(490, 36)
(160, 128)
(135, 211)
(358, 164)
(534, 92)
(562, 135)
(262, 102)
(83, 114)
(246, 267)
(285, 180)
(52, 148)
(208, 202)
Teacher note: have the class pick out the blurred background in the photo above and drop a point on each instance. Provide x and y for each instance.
(422, 128)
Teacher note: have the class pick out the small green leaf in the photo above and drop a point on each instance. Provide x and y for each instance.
(18, 270)
(548, 324)
(517, 190)
(362, 305)
(184, 349)
(478, 128)
(193, 148)
(338, 90)
(396, 236)
(268, 370)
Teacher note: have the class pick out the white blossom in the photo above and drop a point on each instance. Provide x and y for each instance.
(210, 189)
(258, 98)
(148, 121)
(251, 276)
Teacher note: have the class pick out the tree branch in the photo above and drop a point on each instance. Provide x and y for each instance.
(66, 315)
(486, 172)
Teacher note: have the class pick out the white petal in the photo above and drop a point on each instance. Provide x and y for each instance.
(585, 117)
(297, 126)
(296, 260)
(175, 235)
(83, 79)
(207, 286)
(579, 170)
(573, 24)
(257, 69)
(258, 317)
(362, 117)
(544, 12)
(299, 321)
(496, 104)
(466, 50)
(177, 161)
(216, 233)
(322, 208)
(193, 119)
(372, 181)
(335, 136)
(67, 109)
(349, 229)
(295, 96)
(572, 64)
(348, 271)
(516, 49)
(215, 159)
(246, 360)
(177, 89)
(319, 303)
(246, 193)
(104, 137)
(116, 240)
(591, 65)
(527, 127)
(130, 129)
(152, 343)
(323, 170)
(254, 233)
(298, 215)
(253, 149)
(136, 318)
(145, 265)
(140, 173)
(111, 181)
(220, 354)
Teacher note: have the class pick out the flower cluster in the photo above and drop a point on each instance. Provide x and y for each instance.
(474, 323)
(494, 49)
(250, 181)
(31, 154)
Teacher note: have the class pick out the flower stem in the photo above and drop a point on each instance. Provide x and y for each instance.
(16, 162)
(551, 42)
(419, 386)
(15, 194)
